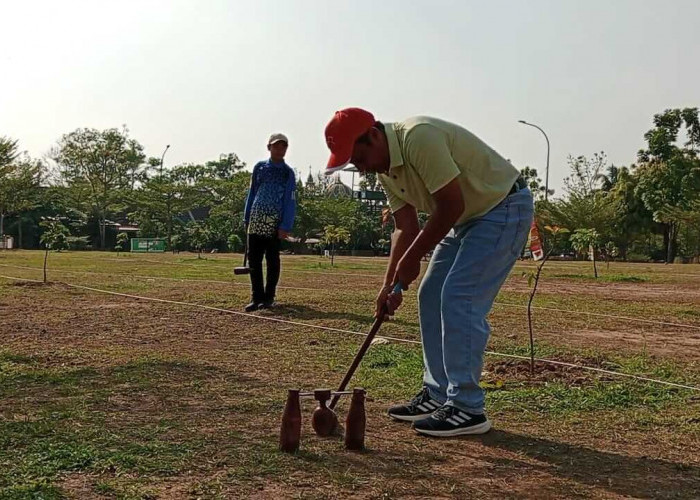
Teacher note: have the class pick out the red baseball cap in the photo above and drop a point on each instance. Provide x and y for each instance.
(341, 133)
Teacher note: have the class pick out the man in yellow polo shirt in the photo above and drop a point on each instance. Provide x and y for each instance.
(480, 214)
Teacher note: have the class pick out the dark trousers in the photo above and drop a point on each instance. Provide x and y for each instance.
(259, 247)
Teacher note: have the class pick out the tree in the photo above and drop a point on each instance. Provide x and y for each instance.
(235, 242)
(610, 179)
(691, 222)
(333, 236)
(19, 182)
(586, 241)
(177, 243)
(610, 251)
(122, 242)
(160, 200)
(534, 183)
(630, 218)
(103, 160)
(198, 237)
(585, 204)
(9, 150)
(54, 237)
(369, 182)
(669, 173)
(221, 186)
(586, 174)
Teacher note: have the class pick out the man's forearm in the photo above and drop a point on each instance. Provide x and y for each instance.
(401, 240)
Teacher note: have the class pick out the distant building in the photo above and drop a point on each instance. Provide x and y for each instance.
(338, 190)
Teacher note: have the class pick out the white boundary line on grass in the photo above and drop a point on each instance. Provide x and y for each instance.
(507, 304)
(340, 330)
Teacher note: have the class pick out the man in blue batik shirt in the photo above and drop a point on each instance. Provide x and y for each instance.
(269, 217)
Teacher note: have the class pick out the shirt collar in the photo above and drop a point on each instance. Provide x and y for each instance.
(395, 156)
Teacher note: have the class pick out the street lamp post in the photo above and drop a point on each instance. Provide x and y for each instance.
(161, 159)
(546, 181)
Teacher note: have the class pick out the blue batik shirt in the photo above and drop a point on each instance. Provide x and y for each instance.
(271, 203)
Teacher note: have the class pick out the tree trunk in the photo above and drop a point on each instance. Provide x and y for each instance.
(667, 241)
(103, 230)
(46, 256)
(672, 240)
(595, 268)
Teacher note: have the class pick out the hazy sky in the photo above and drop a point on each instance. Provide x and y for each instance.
(213, 76)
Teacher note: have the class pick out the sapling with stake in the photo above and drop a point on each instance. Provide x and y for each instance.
(122, 242)
(54, 237)
(533, 279)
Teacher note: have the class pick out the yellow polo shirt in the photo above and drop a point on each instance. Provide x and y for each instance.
(426, 153)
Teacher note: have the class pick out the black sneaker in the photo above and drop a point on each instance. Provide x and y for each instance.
(268, 304)
(451, 421)
(418, 408)
(253, 306)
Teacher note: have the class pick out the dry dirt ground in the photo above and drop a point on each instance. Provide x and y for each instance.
(109, 396)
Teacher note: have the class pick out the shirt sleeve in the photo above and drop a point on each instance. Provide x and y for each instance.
(428, 153)
(251, 196)
(395, 203)
(289, 206)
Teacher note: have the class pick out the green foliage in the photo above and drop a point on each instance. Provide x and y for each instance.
(586, 241)
(235, 243)
(78, 242)
(649, 210)
(9, 150)
(534, 183)
(334, 236)
(583, 239)
(586, 204)
(55, 235)
(669, 173)
(122, 242)
(103, 164)
(19, 180)
(198, 237)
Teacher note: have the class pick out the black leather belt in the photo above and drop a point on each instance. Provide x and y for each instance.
(519, 184)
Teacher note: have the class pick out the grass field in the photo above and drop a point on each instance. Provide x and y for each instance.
(109, 396)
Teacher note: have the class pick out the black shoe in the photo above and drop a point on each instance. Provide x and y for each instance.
(268, 304)
(418, 408)
(253, 306)
(451, 421)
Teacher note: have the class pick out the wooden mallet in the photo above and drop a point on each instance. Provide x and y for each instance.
(363, 349)
(243, 269)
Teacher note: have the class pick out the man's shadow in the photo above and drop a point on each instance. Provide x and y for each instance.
(298, 311)
(640, 477)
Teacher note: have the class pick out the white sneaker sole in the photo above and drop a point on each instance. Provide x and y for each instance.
(482, 428)
(409, 418)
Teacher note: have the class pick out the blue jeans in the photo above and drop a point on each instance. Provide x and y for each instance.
(455, 297)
